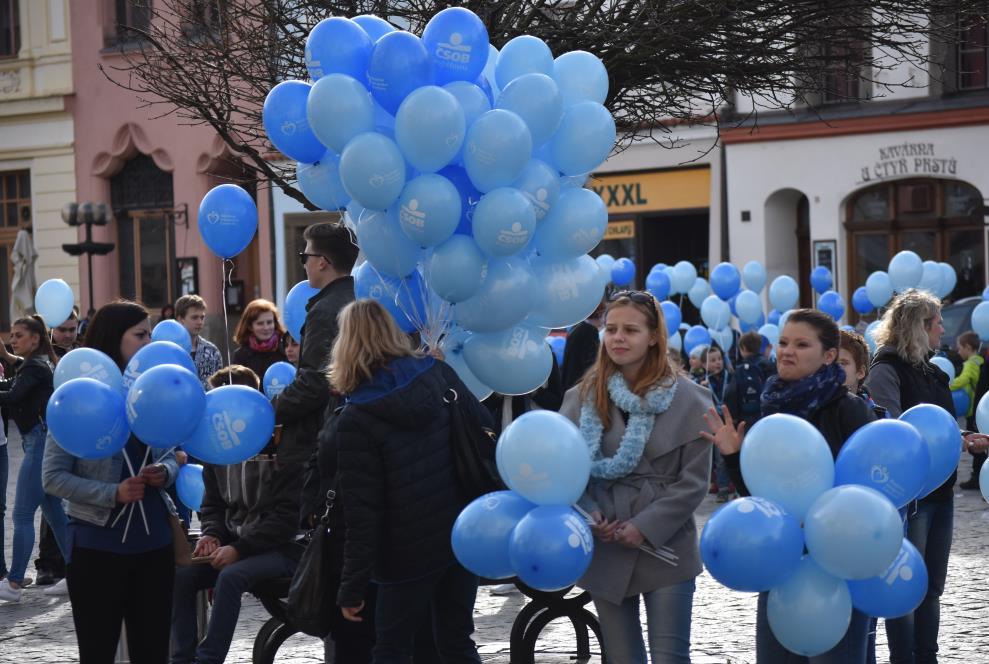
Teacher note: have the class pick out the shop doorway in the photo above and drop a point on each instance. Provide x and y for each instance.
(673, 237)
(787, 236)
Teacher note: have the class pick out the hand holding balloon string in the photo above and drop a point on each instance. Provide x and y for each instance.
(154, 475)
(623, 534)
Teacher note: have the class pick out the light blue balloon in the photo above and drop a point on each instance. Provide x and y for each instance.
(905, 271)
(399, 64)
(337, 45)
(581, 76)
(389, 250)
(236, 425)
(696, 336)
(429, 128)
(482, 532)
(497, 148)
(474, 102)
(584, 138)
(559, 345)
(658, 284)
(284, 118)
(784, 293)
(930, 280)
(605, 261)
(294, 314)
(402, 298)
(980, 320)
(538, 183)
(774, 317)
(54, 300)
(672, 315)
(321, 184)
(228, 218)
(504, 222)
(154, 354)
(853, 531)
(88, 363)
(869, 335)
(87, 419)
(771, 332)
(897, 471)
(454, 269)
(786, 459)
(155, 398)
(520, 56)
(961, 401)
(551, 548)
(375, 27)
(469, 196)
(940, 431)
(751, 545)
(503, 299)
(338, 109)
(715, 312)
(169, 330)
(821, 279)
(985, 293)
(544, 458)
(564, 292)
(622, 272)
(725, 280)
(699, 291)
(754, 275)
(723, 337)
(684, 276)
(832, 304)
(949, 278)
(749, 307)
(810, 612)
(372, 170)
(574, 226)
(879, 288)
(537, 100)
(190, 487)
(276, 378)
(675, 342)
(457, 42)
(452, 346)
(860, 300)
(429, 209)
(945, 365)
(897, 591)
(783, 318)
(513, 361)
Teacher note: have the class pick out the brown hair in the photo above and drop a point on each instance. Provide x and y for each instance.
(251, 313)
(750, 342)
(368, 339)
(707, 352)
(823, 324)
(186, 302)
(35, 324)
(235, 374)
(334, 242)
(107, 327)
(970, 339)
(854, 344)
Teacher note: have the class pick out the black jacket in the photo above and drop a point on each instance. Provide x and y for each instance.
(399, 491)
(257, 361)
(300, 408)
(579, 353)
(26, 393)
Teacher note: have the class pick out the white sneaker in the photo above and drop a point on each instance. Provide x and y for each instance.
(504, 589)
(10, 594)
(60, 588)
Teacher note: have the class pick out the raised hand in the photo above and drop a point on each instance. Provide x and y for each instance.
(723, 432)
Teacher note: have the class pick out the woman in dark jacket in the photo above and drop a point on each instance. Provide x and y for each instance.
(399, 491)
(810, 384)
(259, 337)
(26, 394)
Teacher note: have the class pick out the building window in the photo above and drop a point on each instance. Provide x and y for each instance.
(127, 18)
(843, 79)
(15, 198)
(973, 53)
(10, 29)
(202, 18)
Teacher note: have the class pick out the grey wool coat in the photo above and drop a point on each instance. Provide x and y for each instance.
(659, 497)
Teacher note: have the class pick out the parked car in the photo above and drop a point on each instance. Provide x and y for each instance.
(957, 318)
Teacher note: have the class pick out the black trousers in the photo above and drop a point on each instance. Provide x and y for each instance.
(107, 588)
(49, 556)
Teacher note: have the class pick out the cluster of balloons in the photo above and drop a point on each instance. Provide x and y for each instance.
(460, 169)
(531, 531)
(843, 512)
(906, 270)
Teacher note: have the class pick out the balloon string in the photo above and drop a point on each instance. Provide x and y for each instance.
(226, 278)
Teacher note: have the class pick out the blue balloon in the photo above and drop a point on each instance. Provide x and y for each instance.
(832, 304)
(513, 361)
(497, 148)
(940, 431)
(454, 269)
(962, 402)
(87, 419)
(774, 317)
(154, 399)
(474, 102)
(457, 42)
(725, 280)
(544, 458)
(897, 591)
(622, 272)
(429, 209)
(387, 248)
(154, 354)
(88, 363)
(980, 320)
(751, 545)
(337, 45)
(559, 345)
(520, 56)
(294, 314)
(753, 327)
(905, 271)
(684, 275)
(54, 300)
(810, 612)
(605, 261)
(484, 83)
(502, 300)
(402, 298)
(537, 100)
(930, 281)
(171, 330)
(770, 332)
(338, 109)
(375, 27)
(749, 307)
(483, 531)
(786, 459)
(821, 279)
(538, 183)
(504, 222)
(897, 471)
(452, 346)
(581, 76)
(945, 365)
(860, 300)
(672, 315)
(564, 292)
(784, 293)
(870, 340)
(574, 226)
(372, 170)
(236, 425)
(429, 128)
(399, 64)
(276, 378)
(584, 138)
(551, 548)
(469, 197)
(715, 312)
(723, 337)
(949, 278)
(754, 275)
(879, 288)
(658, 284)
(228, 218)
(321, 184)
(190, 487)
(285, 122)
(696, 336)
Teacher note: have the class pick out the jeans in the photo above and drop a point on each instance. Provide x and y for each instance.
(228, 584)
(28, 497)
(913, 638)
(668, 617)
(449, 595)
(720, 471)
(852, 649)
(3, 508)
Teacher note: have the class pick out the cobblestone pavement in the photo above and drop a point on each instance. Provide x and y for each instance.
(39, 628)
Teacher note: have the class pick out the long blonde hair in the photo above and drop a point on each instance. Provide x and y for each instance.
(368, 339)
(904, 325)
(656, 368)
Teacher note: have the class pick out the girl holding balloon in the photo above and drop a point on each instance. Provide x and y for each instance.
(259, 337)
(809, 384)
(649, 473)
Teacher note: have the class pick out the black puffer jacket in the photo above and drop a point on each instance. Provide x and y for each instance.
(26, 393)
(400, 494)
(257, 361)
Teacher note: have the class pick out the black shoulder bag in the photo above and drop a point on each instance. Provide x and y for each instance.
(312, 593)
(473, 447)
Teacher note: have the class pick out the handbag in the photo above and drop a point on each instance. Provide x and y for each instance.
(473, 447)
(180, 541)
(312, 593)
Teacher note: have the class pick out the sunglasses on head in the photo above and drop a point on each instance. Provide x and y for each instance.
(639, 297)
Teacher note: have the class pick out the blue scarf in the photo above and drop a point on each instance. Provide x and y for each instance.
(805, 396)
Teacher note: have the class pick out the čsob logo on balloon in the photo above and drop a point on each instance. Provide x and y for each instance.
(579, 535)
(226, 431)
(454, 51)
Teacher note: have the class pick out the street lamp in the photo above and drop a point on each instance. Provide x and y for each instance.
(87, 214)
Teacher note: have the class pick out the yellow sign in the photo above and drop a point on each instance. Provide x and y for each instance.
(620, 230)
(655, 190)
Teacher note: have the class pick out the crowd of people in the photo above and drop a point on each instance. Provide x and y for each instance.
(364, 443)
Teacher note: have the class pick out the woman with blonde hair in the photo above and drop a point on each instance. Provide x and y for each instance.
(649, 473)
(399, 491)
(259, 337)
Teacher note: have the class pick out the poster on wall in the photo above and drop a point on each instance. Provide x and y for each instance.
(187, 270)
(826, 255)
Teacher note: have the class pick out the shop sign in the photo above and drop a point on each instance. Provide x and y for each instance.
(653, 190)
(908, 160)
(620, 230)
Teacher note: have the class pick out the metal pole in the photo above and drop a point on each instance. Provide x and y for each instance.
(89, 264)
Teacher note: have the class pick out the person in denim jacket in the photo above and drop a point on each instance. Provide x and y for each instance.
(111, 578)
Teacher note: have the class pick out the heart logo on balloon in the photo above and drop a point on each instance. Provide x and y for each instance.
(213, 217)
(288, 128)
